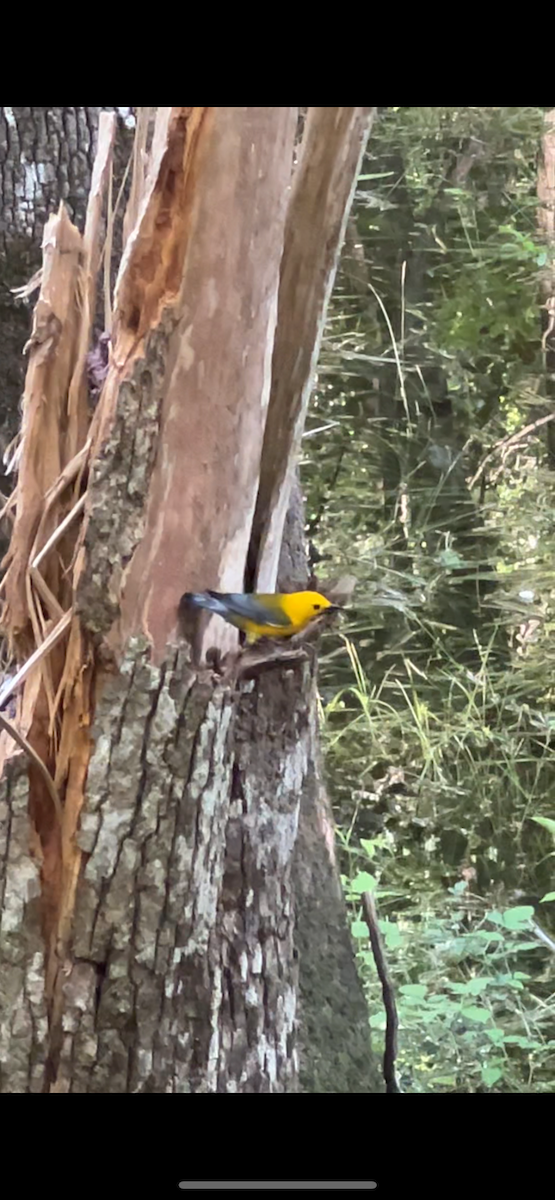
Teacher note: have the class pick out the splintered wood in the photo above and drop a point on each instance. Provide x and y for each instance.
(50, 656)
(55, 418)
(51, 348)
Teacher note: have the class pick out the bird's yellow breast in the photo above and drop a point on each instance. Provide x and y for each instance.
(299, 608)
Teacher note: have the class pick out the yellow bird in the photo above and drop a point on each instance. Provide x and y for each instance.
(262, 614)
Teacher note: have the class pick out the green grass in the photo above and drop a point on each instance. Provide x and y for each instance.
(412, 759)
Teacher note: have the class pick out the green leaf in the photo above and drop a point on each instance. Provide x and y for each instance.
(363, 882)
(496, 1035)
(450, 560)
(473, 1013)
(546, 822)
(507, 978)
(491, 1075)
(518, 918)
(411, 1001)
(359, 929)
(473, 987)
(442, 1003)
(378, 1021)
(515, 1039)
(477, 986)
(548, 896)
(416, 990)
(392, 934)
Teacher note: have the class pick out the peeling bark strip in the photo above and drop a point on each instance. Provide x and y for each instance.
(77, 401)
(331, 153)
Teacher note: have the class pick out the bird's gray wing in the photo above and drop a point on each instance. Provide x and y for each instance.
(246, 607)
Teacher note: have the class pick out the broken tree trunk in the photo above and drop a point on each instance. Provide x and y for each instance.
(148, 935)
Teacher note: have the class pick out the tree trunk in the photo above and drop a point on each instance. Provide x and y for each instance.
(148, 923)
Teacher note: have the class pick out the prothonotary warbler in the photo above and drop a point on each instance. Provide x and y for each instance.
(260, 614)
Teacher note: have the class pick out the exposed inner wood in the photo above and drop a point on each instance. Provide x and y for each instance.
(323, 187)
(217, 380)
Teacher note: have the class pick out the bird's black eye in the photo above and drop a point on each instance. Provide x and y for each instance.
(316, 607)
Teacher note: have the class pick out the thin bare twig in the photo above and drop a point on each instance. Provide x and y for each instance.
(37, 762)
(55, 610)
(53, 637)
(23, 293)
(391, 1019)
(58, 533)
(396, 355)
(506, 443)
(542, 936)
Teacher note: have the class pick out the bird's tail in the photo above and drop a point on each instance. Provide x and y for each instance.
(202, 600)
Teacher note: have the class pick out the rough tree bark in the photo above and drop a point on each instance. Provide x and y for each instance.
(148, 935)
